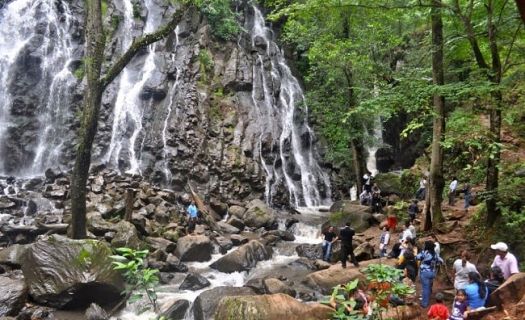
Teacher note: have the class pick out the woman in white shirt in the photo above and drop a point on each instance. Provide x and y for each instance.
(462, 267)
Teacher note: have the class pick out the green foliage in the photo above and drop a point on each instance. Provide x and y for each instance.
(383, 282)
(136, 10)
(140, 280)
(104, 7)
(222, 19)
(205, 64)
(80, 71)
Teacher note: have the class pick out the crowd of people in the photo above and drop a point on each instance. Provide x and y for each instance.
(471, 290)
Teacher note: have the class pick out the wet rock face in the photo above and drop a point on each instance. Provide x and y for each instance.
(65, 273)
(243, 258)
(12, 296)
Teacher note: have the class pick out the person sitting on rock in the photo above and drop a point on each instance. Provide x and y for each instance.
(365, 198)
(383, 242)
(505, 260)
(495, 279)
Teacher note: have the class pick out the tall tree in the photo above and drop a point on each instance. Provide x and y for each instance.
(493, 73)
(96, 84)
(437, 182)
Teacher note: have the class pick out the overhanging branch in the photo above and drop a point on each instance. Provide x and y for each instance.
(140, 43)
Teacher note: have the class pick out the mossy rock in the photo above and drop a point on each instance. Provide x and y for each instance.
(360, 217)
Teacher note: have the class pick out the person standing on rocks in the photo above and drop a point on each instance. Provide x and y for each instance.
(193, 215)
(452, 191)
(413, 210)
(329, 238)
(505, 260)
(467, 196)
(427, 270)
(421, 192)
(367, 182)
(346, 236)
(462, 267)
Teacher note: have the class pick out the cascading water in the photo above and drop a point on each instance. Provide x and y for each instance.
(279, 121)
(129, 108)
(377, 141)
(45, 25)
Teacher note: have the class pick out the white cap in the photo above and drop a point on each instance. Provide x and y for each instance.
(501, 246)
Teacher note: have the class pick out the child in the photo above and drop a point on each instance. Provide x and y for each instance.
(383, 242)
(460, 305)
(438, 311)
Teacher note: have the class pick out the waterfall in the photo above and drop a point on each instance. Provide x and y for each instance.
(171, 94)
(129, 108)
(376, 141)
(39, 31)
(280, 118)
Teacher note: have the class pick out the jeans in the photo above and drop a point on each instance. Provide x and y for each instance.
(427, 278)
(467, 201)
(327, 250)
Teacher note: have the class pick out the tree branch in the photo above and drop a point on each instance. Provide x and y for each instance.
(140, 43)
(514, 36)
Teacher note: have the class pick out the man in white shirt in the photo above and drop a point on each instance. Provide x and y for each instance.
(505, 260)
(462, 267)
(406, 233)
(452, 191)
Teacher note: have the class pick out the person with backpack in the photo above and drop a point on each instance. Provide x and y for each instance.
(427, 270)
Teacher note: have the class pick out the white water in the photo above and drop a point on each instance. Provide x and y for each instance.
(129, 108)
(277, 120)
(21, 21)
(376, 142)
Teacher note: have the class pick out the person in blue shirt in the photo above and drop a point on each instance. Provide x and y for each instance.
(427, 270)
(476, 291)
(193, 214)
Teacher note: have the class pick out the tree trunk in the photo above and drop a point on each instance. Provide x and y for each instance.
(357, 163)
(436, 181)
(493, 211)
(494, 75)
(521, 7)
(95, 40)
(91, 105)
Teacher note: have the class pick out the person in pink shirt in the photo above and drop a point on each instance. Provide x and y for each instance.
(505, 260)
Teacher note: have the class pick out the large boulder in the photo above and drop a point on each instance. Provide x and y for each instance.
(206, 303)
(175, 310)
(243, 258)
(273, 285)
(511, 291)
(325, 280)
(270, 307)
(126, 236)
(389, 183)
(194, 282)
(194, 248)
(12, 296)
(65, 273)
(309, 250)
(258, 214)
(347, 211)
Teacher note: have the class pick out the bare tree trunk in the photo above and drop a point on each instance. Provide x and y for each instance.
(95, 40)
(436, 181)
(357, 163)
(130, 197)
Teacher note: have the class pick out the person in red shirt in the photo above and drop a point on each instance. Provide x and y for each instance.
(438, 311)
